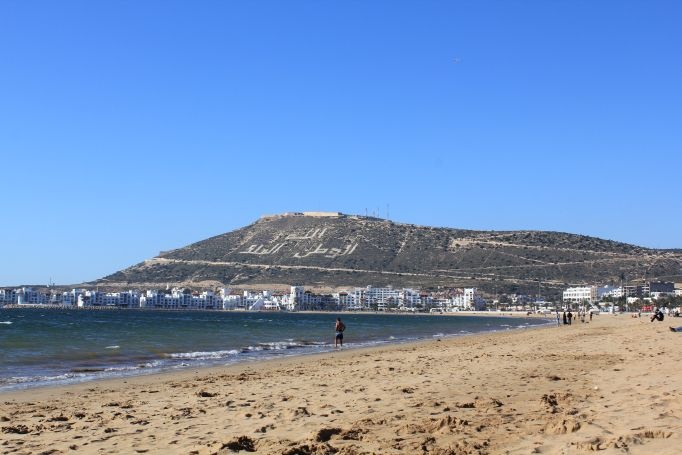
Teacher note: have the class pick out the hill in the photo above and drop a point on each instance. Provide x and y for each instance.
(330, 250)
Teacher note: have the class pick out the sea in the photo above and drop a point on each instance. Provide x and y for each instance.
(42, 347)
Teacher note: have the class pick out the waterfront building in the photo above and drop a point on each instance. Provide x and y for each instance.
(343, 299)
(410, 298)
(296, 297)
(128, 299)
(580, 294)
(265, 302)
(8, 296)
(615, 293)
(638, 291)
(660, 289)
(465, 300)
(232, 302)
(29, 296)
(653, 289)
(180, 298)
(362, 298)
(310, 302)
(381, 298)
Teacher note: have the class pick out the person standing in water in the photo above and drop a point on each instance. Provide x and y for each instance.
(340, 327)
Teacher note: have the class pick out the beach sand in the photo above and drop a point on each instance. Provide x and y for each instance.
(611, 386)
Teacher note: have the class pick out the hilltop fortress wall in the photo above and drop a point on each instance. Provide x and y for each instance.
(311, 214)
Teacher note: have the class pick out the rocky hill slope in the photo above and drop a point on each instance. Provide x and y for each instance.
(331, 251)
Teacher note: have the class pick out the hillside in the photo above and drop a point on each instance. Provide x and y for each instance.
(339, 251)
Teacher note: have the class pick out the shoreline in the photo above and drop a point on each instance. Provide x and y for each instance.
(14, 306)
(610, 385)
(129, 372)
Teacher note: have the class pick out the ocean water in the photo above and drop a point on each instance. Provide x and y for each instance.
(51, 346)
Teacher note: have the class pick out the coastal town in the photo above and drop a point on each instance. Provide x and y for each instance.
(644, 296)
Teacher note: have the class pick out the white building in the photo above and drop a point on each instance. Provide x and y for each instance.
(233, 302)
(296, 296)
(381, 298)
(466, 299)
(28, 296)
(181, 299)
(615, 293)
(581, 294)
(8, 296)
(127, 299)
(410, 298)
(370, 297)
(343, 299)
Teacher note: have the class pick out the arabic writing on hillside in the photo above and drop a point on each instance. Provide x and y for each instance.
(329, 252)
(263, 250)
(260, 250)
(312, 234)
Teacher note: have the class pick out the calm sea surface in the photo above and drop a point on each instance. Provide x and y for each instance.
(49, 346)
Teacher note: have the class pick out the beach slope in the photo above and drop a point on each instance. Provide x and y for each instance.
(610, 385)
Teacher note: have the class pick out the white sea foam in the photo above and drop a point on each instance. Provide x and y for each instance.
(76, 376)
(201, 355)
(153, 364)
(280, 345)
(113, 347)
(28, 379)
(6, 322)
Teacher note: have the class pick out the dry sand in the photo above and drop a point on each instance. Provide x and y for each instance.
(610, 385)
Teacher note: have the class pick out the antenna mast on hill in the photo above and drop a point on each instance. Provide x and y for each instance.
(387, 217)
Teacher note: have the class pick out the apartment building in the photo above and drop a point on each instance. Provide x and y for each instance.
(580, 294)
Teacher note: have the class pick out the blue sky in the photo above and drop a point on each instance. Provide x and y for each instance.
(130, 127)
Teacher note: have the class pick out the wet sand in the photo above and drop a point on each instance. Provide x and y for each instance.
(611, 385)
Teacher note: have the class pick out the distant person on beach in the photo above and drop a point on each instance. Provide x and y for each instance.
(340, 327)
(569, 316)
(558, 320)
(590, 315)
(657, 316)
(565, 319)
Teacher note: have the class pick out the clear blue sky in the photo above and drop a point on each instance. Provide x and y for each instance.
(131, 127)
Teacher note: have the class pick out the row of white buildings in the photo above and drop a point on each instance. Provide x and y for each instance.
(298, 299)
(649, 290)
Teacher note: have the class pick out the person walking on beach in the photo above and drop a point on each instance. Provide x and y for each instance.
(558, 320)
(569, 316)
(340, 327)
(565, 320)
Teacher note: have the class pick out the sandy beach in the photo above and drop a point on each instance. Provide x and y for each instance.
(610, 386)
